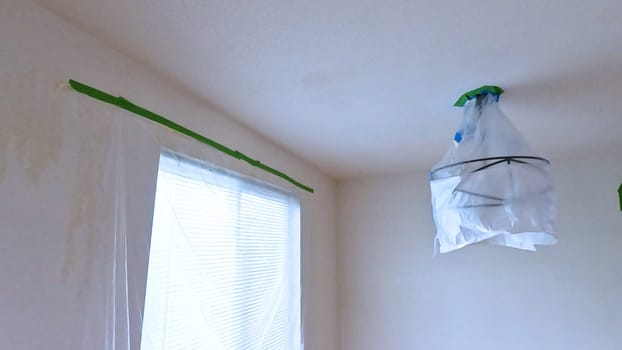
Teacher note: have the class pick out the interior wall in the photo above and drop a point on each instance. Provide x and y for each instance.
(395, 295)
(56, 188)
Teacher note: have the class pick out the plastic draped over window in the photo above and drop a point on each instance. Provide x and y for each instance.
(490, 187)
(224, 263)
(78, 181)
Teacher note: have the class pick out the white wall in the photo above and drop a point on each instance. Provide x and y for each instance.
(55, 191)
(395, 295)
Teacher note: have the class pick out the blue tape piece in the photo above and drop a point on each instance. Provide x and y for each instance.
(458, 137)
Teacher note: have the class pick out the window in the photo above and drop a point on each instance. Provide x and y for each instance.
(224, 262)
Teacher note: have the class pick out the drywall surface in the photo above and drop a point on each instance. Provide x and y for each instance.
(75, 172)
(395, 295)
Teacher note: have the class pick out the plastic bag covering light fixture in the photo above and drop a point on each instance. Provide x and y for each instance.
(490, 187)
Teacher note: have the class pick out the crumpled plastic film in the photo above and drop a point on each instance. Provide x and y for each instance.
(490, 187)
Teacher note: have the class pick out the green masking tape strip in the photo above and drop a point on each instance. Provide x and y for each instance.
(462, 100)
(129, 106)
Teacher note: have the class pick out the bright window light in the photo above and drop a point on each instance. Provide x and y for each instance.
(224, 262)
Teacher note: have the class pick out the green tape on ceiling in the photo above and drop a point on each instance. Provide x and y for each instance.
(129, 106)
(469, 95)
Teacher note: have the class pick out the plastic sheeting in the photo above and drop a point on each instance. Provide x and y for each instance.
(77, 182)
(224, 263)
(490, 187)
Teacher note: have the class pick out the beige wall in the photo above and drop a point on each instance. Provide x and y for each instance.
(54, 189)
(395, 295)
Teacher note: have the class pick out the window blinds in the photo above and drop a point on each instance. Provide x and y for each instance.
(224, 264)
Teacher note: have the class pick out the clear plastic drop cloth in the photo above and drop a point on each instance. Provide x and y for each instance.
(224, 264)
(490, 187)
(83, 268)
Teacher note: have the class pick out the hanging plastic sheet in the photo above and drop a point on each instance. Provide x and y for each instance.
(77, 182)
(490, 187)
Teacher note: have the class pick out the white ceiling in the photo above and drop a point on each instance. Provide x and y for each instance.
(363, 87)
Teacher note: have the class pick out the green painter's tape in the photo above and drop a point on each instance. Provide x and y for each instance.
(129, 106)
(479, 91)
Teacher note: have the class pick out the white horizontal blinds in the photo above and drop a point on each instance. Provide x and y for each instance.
(224, 262)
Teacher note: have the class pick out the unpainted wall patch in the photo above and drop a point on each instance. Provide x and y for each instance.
(31, 121)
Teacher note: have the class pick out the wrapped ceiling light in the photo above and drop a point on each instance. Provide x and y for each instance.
(490, 187)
